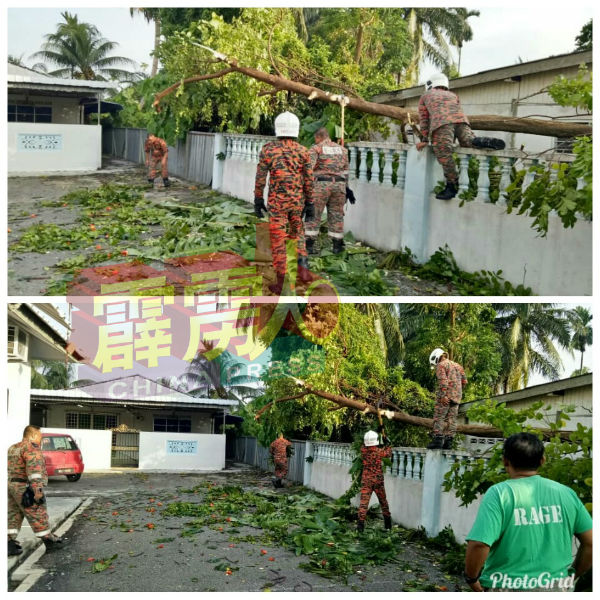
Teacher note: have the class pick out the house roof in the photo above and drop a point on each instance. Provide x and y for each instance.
(20, 78)
(133, 390)
(555, 388)
(47, 342)
(511, 72)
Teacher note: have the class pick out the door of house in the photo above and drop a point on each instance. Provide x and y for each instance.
(125, 447)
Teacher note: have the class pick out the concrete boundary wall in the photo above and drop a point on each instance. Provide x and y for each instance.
(181, 451)
(397, 209)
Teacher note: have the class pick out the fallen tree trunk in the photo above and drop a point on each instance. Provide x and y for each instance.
(399, 416)
(482, 122)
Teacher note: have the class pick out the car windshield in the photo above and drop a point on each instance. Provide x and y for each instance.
(58, 443)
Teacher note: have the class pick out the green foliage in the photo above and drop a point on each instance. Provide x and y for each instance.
(575, 91)
(307, 523)
(584, 40)
(556, 187)
(354, 364)
(568, 462)
(466, 331)
(442, 266)
(103, 563)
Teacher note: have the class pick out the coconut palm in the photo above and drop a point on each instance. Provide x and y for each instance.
(387, 327)
(80, 52)
(218, 377)
(580, 319)
(151, 14)
(433, 31)
(530, 334)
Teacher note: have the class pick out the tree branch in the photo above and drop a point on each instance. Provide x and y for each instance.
(160, 95)
(480, 122)
(400, 416)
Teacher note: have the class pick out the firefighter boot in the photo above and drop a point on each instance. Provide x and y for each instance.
(14, 548)
(449, 191)
(486, 142)
(53, 542)
(447, 445)
(338, 245)
(387, 522)
(166, 182)
(360, 526)
(311, 246)
(303, 272)
(436, 443)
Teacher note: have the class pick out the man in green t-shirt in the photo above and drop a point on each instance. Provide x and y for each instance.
(524, 528)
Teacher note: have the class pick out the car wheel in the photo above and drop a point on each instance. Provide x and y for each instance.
(75, 477)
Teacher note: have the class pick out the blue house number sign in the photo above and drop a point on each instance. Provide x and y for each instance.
(182, 447)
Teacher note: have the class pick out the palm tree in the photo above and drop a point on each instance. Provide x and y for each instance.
(387, 328)
(218, 377)
(81, 53)
(530, 334)
(582, 333)
(151, 14)
(429, 28)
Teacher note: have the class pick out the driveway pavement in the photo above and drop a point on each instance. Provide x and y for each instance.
(124, 541)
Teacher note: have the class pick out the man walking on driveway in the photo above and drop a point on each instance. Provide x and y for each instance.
(26, 466)
(522, 537)
(157, 154)
(330, 168)
(451, 381)
(441, 116)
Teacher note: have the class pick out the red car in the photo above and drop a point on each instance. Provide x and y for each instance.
(62, 455)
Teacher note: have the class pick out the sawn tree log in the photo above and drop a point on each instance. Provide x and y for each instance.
(481, 122)
(397, 415)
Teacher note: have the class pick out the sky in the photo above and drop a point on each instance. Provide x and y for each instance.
(502, 35)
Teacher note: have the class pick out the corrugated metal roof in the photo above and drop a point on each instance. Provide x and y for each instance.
(17, 75)
(131, 389)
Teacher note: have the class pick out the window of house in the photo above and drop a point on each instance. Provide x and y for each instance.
(564, 145)
(24, 113)
(173, 424)
(89, 421)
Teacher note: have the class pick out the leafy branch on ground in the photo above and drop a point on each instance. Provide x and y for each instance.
(442, 266)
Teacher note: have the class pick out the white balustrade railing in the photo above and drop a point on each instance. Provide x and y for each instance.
(388, 167)
(407, 463)
(388, 163)
(244, 147)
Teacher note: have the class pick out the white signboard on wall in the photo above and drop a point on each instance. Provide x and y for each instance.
(182, 447)
(39, 142)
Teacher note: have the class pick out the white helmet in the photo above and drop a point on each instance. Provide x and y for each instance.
(434, 357)
(437, 80)
(287, 124)
(371, 438)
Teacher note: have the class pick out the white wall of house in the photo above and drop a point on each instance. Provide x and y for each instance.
(143, 420)
(95, 445)
(18, 378)
(208, 455)
(460, 518)
(65, 111)
(238, 179)
(79, 148)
